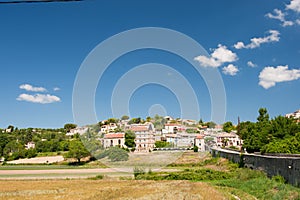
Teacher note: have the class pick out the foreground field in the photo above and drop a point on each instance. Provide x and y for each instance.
(108, 189)
(192, 176)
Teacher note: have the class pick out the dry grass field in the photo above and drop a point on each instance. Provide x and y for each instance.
(107, 189)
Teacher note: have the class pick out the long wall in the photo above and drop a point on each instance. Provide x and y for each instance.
(287, 167)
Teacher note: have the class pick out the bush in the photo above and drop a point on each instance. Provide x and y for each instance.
(98, 177)
(278, 179)
(195, 149)
(114, 154)
(137, 171)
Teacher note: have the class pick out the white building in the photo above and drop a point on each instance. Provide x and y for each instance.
(108, 128)
(30, 145)
(114, 139)
(77, 130)
(228, 139)
(199, 142)
(295, 115)
(173, 128)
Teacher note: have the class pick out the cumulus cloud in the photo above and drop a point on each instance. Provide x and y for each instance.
(251, 64)
(279, 15)
(31, 88)
(230, 70)
(38, 98)
(56, 89)
(256, 42)
(298, 21)
(269, 76)
(294, 5)
(218, 57)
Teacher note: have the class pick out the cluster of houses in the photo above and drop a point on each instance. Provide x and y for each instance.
(175, 133)
(294, 115)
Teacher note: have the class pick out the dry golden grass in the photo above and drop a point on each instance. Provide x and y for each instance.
(107, 189)
(191, 158)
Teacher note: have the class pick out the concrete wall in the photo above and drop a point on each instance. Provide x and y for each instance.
(287, 167)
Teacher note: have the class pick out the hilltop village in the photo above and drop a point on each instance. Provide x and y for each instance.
(164, 133)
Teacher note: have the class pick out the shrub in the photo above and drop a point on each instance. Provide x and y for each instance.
(195, 149)
(137, 171)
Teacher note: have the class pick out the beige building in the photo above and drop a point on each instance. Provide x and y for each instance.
(113, 140)
(144, 137)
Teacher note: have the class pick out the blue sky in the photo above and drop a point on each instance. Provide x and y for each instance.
(42, 46)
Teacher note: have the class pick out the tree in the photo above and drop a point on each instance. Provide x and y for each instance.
(263, 115)
(148, 119)
(228, 127)
(68, 127)
(211, 124)
(77, 150)
(129, 139)
(161, 144)
(135, 121)
(112, 120)
(117, 154)
(124, 117)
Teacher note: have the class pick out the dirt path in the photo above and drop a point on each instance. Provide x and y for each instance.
(38, 160)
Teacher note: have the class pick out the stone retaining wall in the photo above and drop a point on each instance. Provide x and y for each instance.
(287, 167)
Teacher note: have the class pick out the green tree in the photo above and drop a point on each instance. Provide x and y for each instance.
(77, 150)
(129, 139)
(161, 144)
(263, 115)
(68, 127)
(117, 154)
(124, 117)
(3, 141)
(148, 119)
(112, 120)
(211, 124)
(135, 121)
(228, 127)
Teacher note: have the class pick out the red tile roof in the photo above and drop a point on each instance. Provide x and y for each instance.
(114, 135)
(199, 137)
(139, 128)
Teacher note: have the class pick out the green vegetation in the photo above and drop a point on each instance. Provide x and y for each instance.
(278, 135)
(98, 177)
(115, 154)
(228, 127)
(228, 177)
(12, 144)
(129, 139)
(68, 127)
(162, 144)
(77, 151)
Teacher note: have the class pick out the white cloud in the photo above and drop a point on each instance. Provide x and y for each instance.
(56, 89)
(38, 98)
(298, 21)
(31, 88)
(294, 5)
(279, 15)
(256, 42)
(230, 70)
(269, 76)
(218, 57)
(251, 64)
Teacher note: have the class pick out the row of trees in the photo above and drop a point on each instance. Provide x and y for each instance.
(278, 135)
